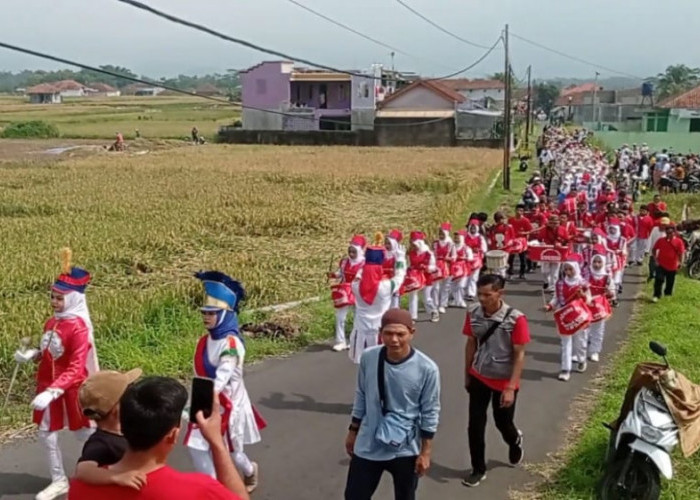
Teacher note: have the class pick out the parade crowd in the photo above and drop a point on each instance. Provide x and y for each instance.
(580, 234)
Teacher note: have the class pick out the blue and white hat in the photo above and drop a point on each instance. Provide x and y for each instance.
(221, 291)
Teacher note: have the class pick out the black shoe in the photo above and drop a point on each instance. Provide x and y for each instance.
(515, 451)
(545, 286)
(521, 276)
(474, 479)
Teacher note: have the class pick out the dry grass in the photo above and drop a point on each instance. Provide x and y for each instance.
(272, 216)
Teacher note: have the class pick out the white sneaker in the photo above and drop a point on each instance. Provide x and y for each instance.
(655, 300)
(595, 357)
(54, 490)
(435, 317)
(564, 376)
(442, 310)
(251, 482)
(581, 366)
(461, 305)
(341, 346)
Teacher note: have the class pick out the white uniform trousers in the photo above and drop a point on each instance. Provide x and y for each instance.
(341, 314)
(550, 271)
(427, 301)
(441, 292)
(472, 279)
(639, 249)
(458, 289)
(203, 462)
(573, 348)
(596, 334)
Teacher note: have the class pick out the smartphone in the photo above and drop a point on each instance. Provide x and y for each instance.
(202, 397)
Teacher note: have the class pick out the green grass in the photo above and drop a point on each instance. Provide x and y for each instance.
(101, 118)
(675, 323)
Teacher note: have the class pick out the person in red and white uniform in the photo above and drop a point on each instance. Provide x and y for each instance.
(477, 242)
(443, 248)
(421, 263)
(501, 234)
(66, 357)
(617, 245)
(522, 227)
(569, 287)
(642, 224)
(582, 217)
(347, 270)
(462, 260)
(394, 259)
(555, 235)
(600, 283)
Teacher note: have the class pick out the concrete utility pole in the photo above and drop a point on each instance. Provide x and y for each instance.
(506, 115)
(528, 118)
(595, 106)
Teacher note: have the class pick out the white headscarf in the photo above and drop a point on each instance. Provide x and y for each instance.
(447, 240)
(397, 250)
(614, 232)
(75, 306)
(360, 255)
(576, 278)
(459, 244)
(603, 270)
(422, 246)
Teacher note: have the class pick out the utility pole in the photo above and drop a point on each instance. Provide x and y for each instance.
(528, 118)
(506, 116)
(595, 107)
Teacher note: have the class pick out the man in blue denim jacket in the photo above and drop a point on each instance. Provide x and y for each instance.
(412, 394)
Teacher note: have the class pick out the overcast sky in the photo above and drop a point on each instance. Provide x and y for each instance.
(640, 37)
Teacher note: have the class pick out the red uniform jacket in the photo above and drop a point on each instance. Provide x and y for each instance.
(64, 350)
(521, 226)
(550, 236)
(349, 270)
(643, 226)
(500, 236)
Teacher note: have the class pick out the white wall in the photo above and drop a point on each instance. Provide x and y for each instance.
(420, 98)
(495, 94)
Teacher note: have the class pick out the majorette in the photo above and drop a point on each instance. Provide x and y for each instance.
(66, 357)
(219, 356)
(476, 241)
(462, 260)
(394, 259)
(442, 280)
(421, 268)
(341, 292)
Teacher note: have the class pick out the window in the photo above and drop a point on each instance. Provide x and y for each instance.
(695, 124)
(261, 86)
(657, 122)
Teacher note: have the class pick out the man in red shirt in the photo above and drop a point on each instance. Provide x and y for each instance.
(552, 234)
(494, 331)
(642, 224)
(668, 253)
(150, 413)
(568, 204)
(501, 234)
(522, 228)
(582, 218)
(657, 207)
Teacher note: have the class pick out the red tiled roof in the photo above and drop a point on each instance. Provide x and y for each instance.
(433, 85)
(687, 100)
(577, 93)
(68, 85)
(43, 88)
(465, 84)
(102, 87)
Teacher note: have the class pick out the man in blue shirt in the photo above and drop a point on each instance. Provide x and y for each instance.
(392, 426)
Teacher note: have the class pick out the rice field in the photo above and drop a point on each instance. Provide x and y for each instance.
(167, 117)
(274, 217)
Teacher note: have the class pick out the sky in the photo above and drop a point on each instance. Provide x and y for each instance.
(620, 34)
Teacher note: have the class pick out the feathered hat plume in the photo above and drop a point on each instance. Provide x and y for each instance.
(66, 257)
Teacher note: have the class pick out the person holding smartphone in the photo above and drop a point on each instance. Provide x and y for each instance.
(219, 356)
(150, 412)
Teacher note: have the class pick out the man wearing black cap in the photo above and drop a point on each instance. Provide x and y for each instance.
(395, 413)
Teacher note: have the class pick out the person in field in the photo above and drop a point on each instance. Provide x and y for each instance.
(373, 294)
(219, 356)
(442, 249)
(394, 260)
(347, 271)
(66, 357)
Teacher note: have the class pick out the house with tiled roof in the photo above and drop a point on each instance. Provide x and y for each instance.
(677, 113)
(44, 93)
(103, 90)
(482, 93)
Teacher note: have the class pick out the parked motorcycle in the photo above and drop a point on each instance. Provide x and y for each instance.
(641, 445)
(692, 259)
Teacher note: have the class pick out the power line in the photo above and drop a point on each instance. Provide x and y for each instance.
(472, 65)
(245, 43)
(574, 58)
(356, 32)
(436, 25)
(86, 67)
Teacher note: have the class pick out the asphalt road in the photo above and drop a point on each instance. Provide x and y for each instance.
(307, 399)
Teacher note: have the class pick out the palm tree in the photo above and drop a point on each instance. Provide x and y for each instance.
(676, 79)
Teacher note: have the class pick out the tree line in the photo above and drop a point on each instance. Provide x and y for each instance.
(9, 81)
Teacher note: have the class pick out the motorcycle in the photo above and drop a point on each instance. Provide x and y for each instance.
(692, 259)
(640, 447)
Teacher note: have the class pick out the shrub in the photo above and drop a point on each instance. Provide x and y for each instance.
(32, 129)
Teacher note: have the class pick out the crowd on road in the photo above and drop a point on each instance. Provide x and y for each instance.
(580, 235)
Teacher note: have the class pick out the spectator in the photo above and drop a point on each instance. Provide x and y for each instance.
(150, 412)
(668, 253)
(495, 331)
(395, 414)
(657, 207)
(99, 399)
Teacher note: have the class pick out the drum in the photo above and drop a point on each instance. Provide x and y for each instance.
(518, 245)
(573, 317)
(547, 253)
(477, 263)
(459, 269)
(496, 259)
(415, 280)
(600, 308)
(342, 295)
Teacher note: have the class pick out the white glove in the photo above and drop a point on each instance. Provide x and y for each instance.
(44, 399)
(185, 414)
(25, 356)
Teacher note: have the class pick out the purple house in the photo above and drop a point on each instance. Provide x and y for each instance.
(278, 96)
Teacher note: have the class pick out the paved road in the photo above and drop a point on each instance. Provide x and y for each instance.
(307, 400)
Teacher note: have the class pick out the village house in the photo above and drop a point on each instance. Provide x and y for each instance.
(480, 94)
(71, 88)
(103, 90)
(44, 93)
